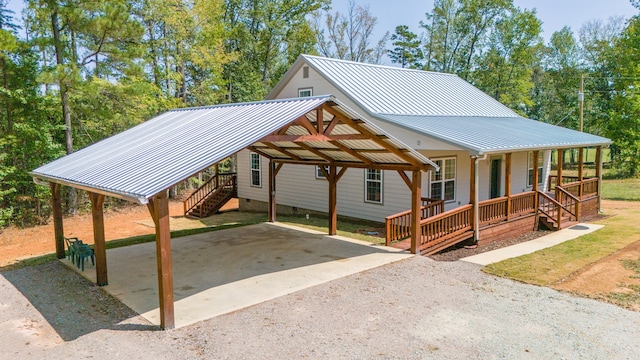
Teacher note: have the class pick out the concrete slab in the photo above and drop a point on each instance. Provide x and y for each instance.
(223, 271)
(529, 247)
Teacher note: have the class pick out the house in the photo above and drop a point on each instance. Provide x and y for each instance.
(486, 153)
(359, 150)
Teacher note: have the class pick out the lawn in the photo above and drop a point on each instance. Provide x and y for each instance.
(553, 265)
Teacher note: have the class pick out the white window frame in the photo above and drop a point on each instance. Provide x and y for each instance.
(302, 92)
(442, 163)
(252, 169)
(366, 187)
(530, 169)
(320, 174)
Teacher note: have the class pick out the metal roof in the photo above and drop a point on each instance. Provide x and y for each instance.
(392, 90)
(159, 153)
(481, 135)
(439, 105)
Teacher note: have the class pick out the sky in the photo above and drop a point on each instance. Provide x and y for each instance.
(555, 14)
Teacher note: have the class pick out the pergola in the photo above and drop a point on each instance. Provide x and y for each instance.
(142, 163)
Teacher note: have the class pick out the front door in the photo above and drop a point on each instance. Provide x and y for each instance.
(496, 175)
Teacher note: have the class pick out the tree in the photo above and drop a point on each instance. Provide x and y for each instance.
(407, 51)
(349, 36)
(505, 70)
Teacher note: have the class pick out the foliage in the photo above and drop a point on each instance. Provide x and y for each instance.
(407, 51)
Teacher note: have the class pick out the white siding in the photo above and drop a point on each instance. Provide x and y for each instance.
(245, 190)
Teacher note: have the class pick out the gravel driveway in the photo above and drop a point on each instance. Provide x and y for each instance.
(415, 308)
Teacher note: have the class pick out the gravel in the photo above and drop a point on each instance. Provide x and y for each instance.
(415, 308)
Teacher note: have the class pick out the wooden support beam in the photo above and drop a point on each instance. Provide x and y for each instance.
(559, 170)
(277, 169)
(536, 157)
(304, 122)
(320, 120)
(599, 174)
(258, 151)
(507, 184)
(352, 152)
(159, 208)
(340, 173)
(99, 241)
(401, 154)
(404, 177)
(416, 199)
(580, 171)
(58, 227)
(312, 138)
(333, 200)
(283, 151)
(332, 124)
(272, 191)
(315, 151)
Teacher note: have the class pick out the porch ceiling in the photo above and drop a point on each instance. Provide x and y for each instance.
(143, 161)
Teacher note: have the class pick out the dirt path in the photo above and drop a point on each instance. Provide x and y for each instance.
(17, 244)
(607, 275)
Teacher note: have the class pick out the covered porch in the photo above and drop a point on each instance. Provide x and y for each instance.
(565, 200)
(142, 163)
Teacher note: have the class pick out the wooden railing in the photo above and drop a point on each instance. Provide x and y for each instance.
(569, 202)
(398, 226)
(586, 190)
(206, 189)
(445, 226)
(223, 193)
(551, 208)
(553, 181)
(523, 204)
(495, 210)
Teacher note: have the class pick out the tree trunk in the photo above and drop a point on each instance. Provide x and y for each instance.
(64, 97)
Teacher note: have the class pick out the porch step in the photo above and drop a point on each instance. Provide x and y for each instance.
(553, 225)
(430, 250)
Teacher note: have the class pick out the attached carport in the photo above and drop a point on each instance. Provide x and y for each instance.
(142, 163)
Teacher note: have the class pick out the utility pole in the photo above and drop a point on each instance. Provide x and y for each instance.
(581, 99)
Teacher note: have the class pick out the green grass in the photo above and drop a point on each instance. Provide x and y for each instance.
(623, 189)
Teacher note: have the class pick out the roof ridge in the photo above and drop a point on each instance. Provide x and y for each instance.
(252, 103)
(306, 56)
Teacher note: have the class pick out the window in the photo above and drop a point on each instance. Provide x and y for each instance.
(256, 172)
(443, 182)
(373, 186)
(305, 72)
(319, 173)
(530, 169)
(305, 92)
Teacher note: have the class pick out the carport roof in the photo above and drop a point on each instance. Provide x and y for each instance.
(141, 162)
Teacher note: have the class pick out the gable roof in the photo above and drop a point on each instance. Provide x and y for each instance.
(439, 105)
(139, 163)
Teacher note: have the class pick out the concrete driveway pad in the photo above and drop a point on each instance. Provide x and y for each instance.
(222, 271)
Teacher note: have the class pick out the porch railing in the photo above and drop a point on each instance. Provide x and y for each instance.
(398, 226)
(495, 210)
(569, 202)
(586, 190)
(553, 181)
(206, 189)
(445, 226)
(549, 207)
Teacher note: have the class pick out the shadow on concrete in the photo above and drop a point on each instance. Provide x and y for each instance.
(71, 304)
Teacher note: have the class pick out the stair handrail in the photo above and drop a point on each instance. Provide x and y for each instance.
(559, 208)
(566, 207)
(203, 191)
(230, 181)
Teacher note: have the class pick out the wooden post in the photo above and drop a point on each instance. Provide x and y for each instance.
(507, 185)
(416, 197)
(559, 170)
(599, 173)
(58, 228)
(580, 171)
(333, 200)
(100, 249)
(536, 156)
(159, 208)
(217, 170)
(272, 191)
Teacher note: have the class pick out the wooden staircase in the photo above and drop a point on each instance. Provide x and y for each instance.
(212, 195)
(559, 210)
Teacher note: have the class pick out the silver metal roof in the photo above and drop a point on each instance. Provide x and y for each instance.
(439, 105)
(392, 90)
(481, 135)
(159, 153)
